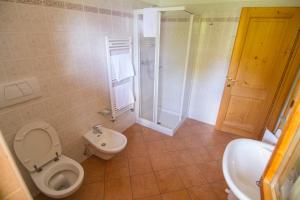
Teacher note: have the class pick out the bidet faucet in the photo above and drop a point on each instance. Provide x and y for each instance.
(97, 129)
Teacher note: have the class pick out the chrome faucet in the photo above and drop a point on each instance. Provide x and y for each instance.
(97, 129)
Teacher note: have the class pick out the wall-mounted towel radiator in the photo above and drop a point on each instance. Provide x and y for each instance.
(116, 46)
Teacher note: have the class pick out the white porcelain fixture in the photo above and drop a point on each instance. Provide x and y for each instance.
(244, 161)
(38, 148)
(104, 142)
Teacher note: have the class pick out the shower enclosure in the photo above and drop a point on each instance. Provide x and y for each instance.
(164, 66)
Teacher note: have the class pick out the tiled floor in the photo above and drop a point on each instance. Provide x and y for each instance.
(158, 167)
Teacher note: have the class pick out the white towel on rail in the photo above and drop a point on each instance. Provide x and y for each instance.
(123, 95)
(122, 67)
(150, 18)
(114, 60)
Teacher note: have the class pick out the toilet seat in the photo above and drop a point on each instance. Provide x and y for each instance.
(38, 148)
(36, 144)
(64, 163)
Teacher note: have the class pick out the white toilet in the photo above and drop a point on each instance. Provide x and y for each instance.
(38, 148)
(105, 142)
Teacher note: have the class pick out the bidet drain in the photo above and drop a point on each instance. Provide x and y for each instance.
(103, 144)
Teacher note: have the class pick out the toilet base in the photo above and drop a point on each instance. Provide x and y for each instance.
(102, 155)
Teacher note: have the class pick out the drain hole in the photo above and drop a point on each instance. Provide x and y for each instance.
(61, 181)
(103, 144)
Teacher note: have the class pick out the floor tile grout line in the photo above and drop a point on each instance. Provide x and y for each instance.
(130, 180)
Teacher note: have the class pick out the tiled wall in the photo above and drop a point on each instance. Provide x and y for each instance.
(61, 43)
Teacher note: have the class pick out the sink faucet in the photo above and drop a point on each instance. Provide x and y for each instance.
(97, 129)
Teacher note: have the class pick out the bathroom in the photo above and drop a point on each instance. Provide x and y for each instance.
(173, 135)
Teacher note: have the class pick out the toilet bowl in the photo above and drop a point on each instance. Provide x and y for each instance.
(104, 142)
(38, 148)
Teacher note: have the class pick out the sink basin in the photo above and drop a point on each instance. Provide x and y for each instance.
(244, 161)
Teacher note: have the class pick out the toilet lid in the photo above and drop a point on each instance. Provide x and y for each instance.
(36, 144)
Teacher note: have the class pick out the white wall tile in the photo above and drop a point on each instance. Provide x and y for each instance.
(8, 16)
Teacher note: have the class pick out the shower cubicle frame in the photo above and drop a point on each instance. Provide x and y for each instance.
(136, 46)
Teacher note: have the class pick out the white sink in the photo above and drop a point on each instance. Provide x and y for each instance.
(244, 162)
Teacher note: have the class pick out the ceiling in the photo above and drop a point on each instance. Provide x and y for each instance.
(193, 2)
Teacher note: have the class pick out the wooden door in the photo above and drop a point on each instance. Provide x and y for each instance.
(259, 68)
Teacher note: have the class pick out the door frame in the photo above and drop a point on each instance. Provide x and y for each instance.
(286, 84)
(282, 154)
(286, 81)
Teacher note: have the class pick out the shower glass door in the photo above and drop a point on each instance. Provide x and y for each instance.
(146, 73)
(161, 64)
(174, 35)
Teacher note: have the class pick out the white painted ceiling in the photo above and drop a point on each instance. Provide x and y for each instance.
(193, 2)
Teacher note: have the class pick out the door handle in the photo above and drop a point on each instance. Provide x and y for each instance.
(230, 81)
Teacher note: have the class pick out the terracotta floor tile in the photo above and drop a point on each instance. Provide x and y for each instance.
(136, 150)
(93, 170)
(202, 128)
(136, 128)
(152, 135)
(144, 185)
(189, 129)
(215, 138)
(117, 173)
(117, 168)
(136, 140)
(181, 158)
(185, 131)
(193, 141)
(161, 161)
(136, 143)
(168, 180)
(219, 189)
(177, 195)
(200, 155)
(204, 192)
(174, 144)
(155, 147)
(181, 134)
(216, 151)
(140, 165)
(156, 197)
(117, 163)
(93, 191)
(154, 163)
(118, 189)
(122, 154)
(191, 176)
(137, 153)
(212, 171)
